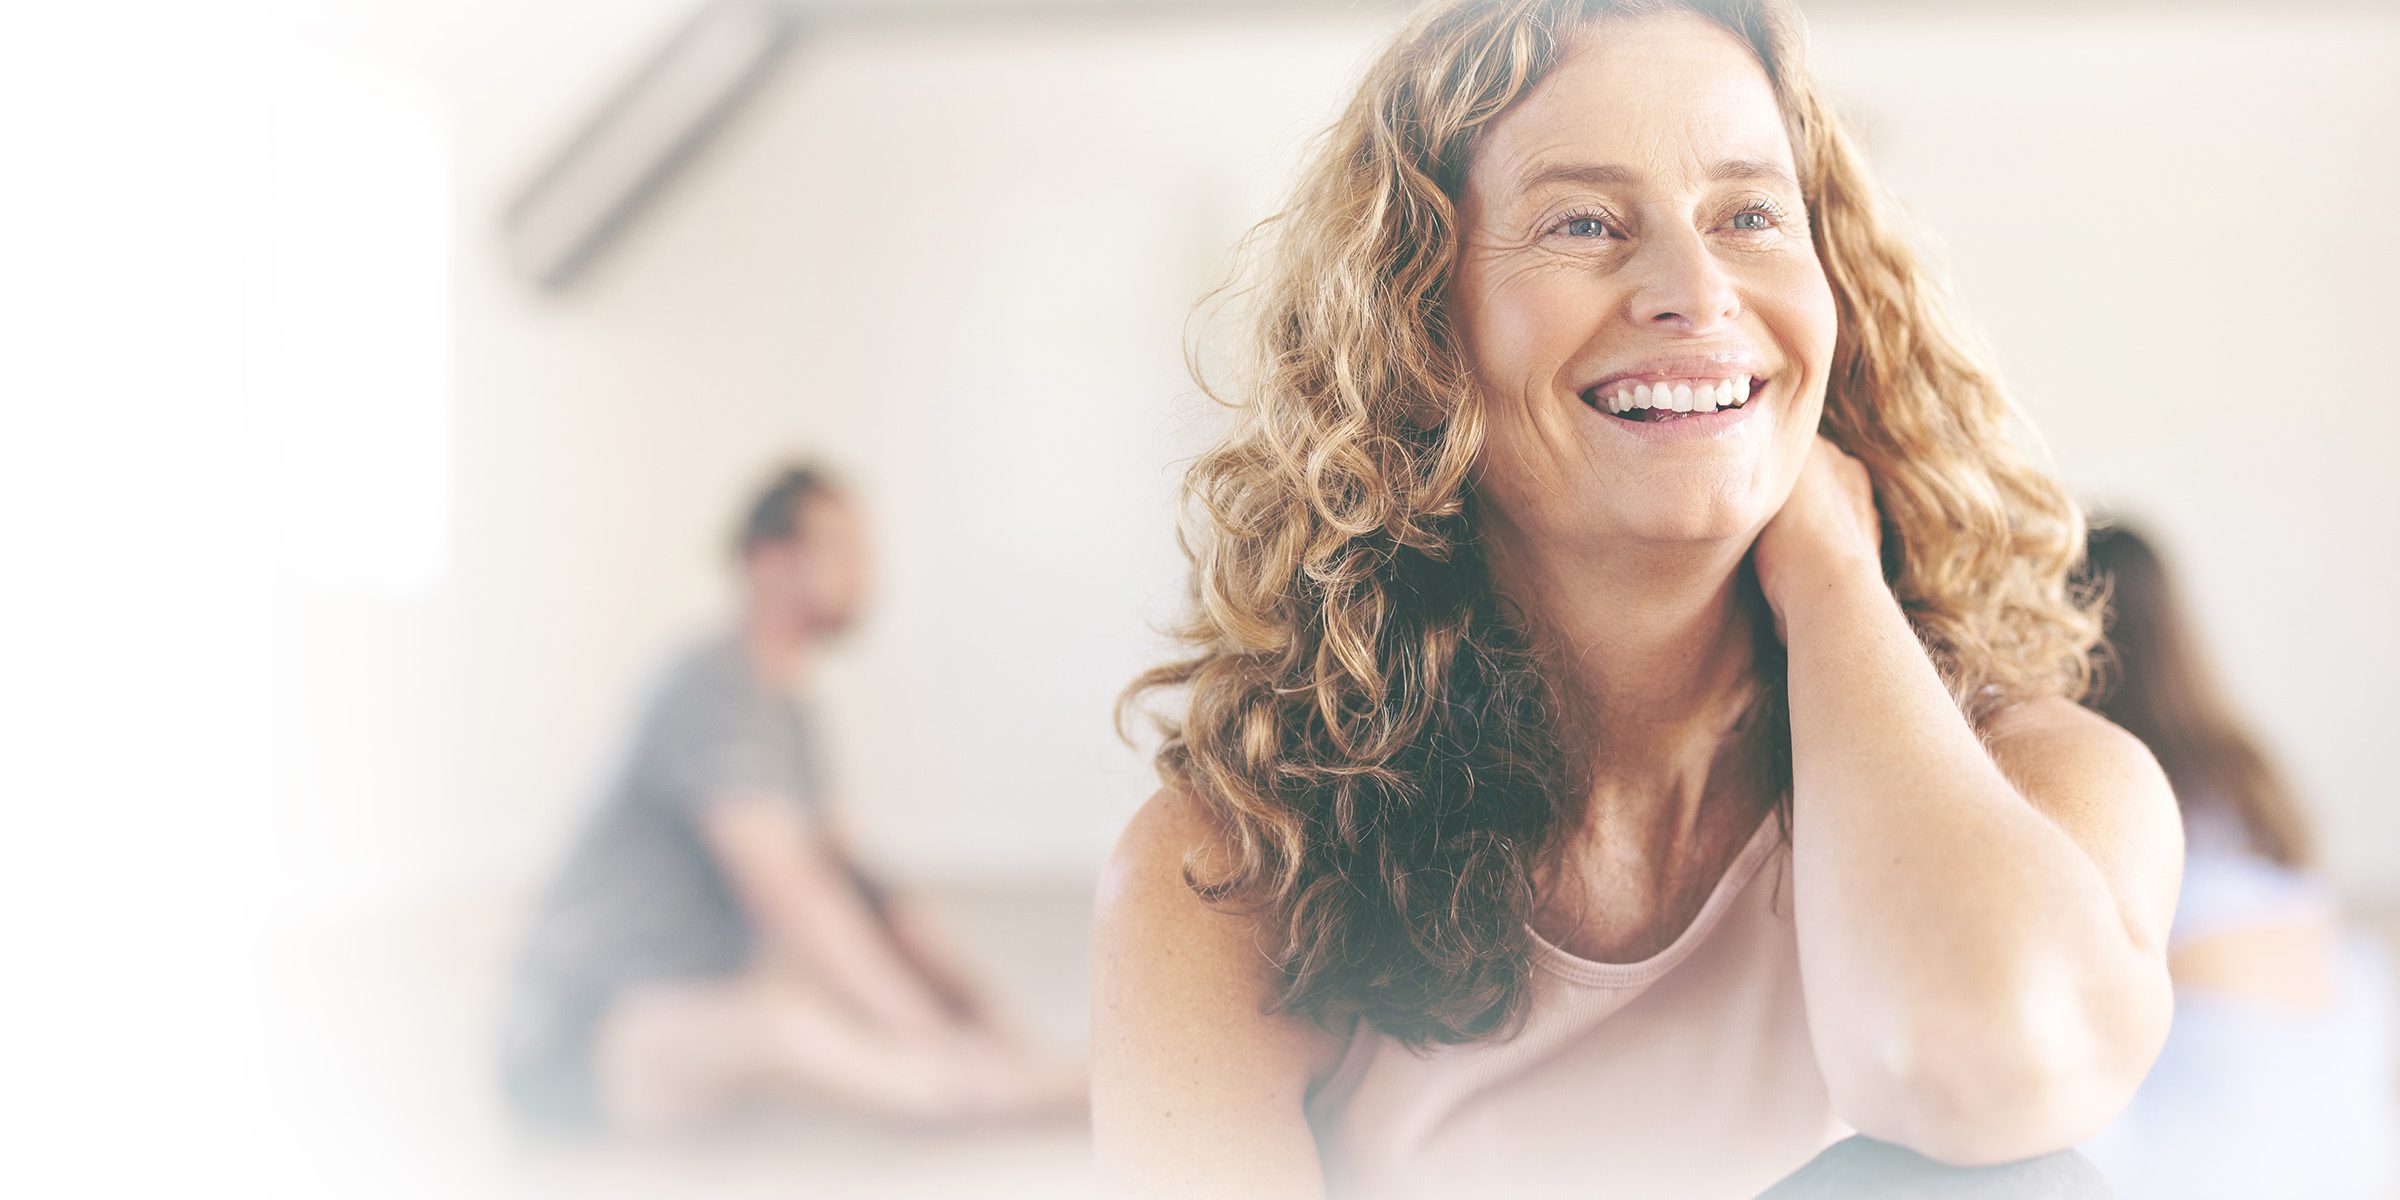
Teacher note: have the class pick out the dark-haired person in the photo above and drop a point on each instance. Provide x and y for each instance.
(711, 939)
(1628, 740)
(2278, 1078)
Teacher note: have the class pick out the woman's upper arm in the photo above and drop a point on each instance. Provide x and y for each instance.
(1196, 1088)
(2105, 791)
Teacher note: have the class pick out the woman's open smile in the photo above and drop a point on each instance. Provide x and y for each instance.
(1682, 409)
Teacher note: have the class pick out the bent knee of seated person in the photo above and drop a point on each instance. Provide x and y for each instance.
(666, 1055)
(673, 1055)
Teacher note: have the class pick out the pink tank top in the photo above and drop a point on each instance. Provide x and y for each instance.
(1688, 1074)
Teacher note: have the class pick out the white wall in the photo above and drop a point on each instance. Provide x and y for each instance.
(959, 265)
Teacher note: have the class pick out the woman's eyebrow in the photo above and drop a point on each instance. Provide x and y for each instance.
(1613, 174)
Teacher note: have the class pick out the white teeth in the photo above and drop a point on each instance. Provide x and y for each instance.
(1679, 397)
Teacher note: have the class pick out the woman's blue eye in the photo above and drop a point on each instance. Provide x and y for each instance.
(1765, 220)
(1585, 227)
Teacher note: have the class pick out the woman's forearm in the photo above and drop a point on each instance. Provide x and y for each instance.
(1971, 985)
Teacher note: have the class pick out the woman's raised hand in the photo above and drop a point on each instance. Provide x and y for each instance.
(1827, 533)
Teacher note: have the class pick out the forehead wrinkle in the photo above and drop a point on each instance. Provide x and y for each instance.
(1737, 169)
(1710, 146)
(1721, 109)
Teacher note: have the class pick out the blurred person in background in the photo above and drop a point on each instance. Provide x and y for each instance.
(2279, 1073)
(711, 939)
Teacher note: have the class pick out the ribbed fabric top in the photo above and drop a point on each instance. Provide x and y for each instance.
(1687, 1074)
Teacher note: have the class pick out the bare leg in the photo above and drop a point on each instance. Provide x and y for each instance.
(1043, 1081)
(674, 1055)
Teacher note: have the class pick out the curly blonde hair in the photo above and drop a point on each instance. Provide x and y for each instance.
(1363, 717)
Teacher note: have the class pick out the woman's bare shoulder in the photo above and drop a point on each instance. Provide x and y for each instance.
(1195, 1077)
(1162, 834)
(1208, 960)
(1170, 964)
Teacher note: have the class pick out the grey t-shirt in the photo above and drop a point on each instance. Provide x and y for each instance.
(640, 898)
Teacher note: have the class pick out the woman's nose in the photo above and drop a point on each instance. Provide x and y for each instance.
(1683, 285)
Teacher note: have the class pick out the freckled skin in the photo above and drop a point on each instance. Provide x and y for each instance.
(1661, 265)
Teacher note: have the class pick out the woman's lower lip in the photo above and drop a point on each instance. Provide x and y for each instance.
(1725, 422)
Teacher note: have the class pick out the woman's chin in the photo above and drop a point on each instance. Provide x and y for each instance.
(1701, 522)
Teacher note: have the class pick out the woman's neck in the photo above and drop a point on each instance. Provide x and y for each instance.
(1654, 653)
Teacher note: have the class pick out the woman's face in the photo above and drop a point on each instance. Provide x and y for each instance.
(1635, 221)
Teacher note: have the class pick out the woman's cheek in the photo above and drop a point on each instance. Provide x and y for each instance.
(1805, 296)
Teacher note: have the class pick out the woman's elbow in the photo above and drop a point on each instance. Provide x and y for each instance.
(2002, 1091)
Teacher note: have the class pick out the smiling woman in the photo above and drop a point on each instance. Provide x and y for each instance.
(1628, 740)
